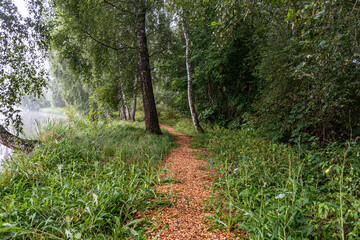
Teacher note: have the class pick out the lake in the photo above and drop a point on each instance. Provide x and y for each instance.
(29, 119)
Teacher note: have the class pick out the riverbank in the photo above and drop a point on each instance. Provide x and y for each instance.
(87, 179)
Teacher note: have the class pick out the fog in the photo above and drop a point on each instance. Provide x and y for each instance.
(31, 119)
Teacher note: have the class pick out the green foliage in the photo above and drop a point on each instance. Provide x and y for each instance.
(59, 111)
(87, 180)
(277, 192)
(309, 71)
(21, 61)
(69, 86)
(184, 125)
(57, 99)
(223, 81)
(98, 42)
(289, 67)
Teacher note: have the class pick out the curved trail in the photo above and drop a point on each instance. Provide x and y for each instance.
(186, 219)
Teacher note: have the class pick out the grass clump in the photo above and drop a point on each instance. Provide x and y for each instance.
(53, 110)
(274, 191)
(87, 181)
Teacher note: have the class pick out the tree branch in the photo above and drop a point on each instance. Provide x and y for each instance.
(117, 7)
(157, 52)
(104, 44)
(15, 143)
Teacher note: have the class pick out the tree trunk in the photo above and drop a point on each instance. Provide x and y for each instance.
(133, 107)
(15, 143)
(122, 112)
(194, 117)
(150, 114)
(109, 115)
(127, 112)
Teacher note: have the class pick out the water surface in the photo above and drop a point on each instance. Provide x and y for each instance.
(30, 119)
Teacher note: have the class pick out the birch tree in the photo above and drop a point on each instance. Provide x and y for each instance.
(96, 28)
(21, 69)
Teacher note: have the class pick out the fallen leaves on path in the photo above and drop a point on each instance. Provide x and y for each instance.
(185, 218)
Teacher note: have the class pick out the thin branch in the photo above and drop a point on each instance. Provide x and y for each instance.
(354, 7)
(157, 52)
(117, 7)
(103, 44)
(151, 33)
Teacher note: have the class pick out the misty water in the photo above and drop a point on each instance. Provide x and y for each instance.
(31, 119)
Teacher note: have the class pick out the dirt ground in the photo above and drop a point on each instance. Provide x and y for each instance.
(193, 186)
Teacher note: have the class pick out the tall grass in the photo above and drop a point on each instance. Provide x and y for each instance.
(86, 181)
(273, 191)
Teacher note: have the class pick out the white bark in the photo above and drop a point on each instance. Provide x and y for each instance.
(127, 112)
(194, 117)
(133, 107)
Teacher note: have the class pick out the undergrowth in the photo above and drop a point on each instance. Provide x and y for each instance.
(274, 191)
(86, 181)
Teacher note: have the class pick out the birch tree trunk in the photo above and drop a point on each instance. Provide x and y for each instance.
(15, 143)
(127, 112)
(194, 117)
(122, 112)
(133, 107)
(150, 113)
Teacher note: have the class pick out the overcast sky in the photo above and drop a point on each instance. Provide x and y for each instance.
(21, 5)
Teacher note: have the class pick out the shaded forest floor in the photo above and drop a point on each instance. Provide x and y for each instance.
(191, 188)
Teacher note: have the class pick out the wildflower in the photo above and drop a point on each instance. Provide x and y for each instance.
(2, 184)
(95, 197)
(241, 152)
(342, 105)
(280, 196)
(327, 171)
(35, 230)
(327, 152)
(42, 237)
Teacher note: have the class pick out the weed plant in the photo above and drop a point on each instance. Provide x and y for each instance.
(274, 191)
(86, 181)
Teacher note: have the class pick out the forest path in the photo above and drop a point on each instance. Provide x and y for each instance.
(185, 218)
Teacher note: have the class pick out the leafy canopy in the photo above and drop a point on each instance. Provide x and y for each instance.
(22, 68)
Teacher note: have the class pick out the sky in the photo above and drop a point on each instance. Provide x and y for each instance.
(21, 5)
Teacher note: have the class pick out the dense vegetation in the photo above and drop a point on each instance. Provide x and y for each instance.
(275, 83)
(278, 192)
(79, 184)
(290, 68)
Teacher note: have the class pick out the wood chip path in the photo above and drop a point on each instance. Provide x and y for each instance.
(186, 220)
